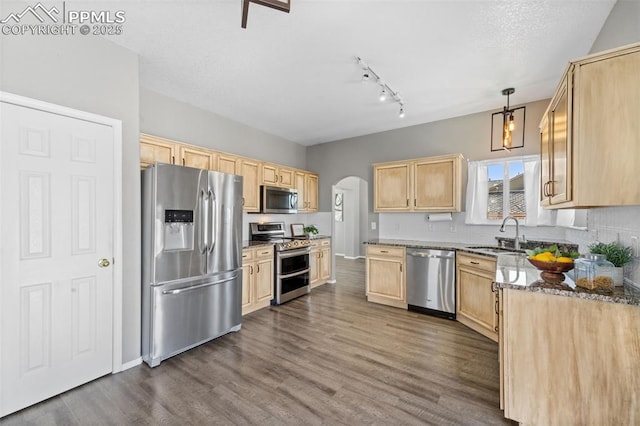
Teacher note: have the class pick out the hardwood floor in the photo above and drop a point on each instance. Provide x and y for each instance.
(326, 358)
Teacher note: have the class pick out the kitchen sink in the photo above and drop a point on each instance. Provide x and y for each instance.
(494, 249)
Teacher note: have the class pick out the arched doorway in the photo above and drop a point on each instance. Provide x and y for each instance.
(350, 217)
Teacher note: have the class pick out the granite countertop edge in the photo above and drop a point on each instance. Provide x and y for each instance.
(631, 296)
(624, 299)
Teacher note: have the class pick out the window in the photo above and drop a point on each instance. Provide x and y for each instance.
(512, 185)
(505, 187)
(505, 190)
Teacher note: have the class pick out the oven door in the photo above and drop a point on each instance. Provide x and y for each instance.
(292, 275)
(292, 261)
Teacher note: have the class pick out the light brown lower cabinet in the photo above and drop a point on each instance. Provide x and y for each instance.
(386, 275)
(476, 300)
(320, 259)
(569, 361)
(257, 278)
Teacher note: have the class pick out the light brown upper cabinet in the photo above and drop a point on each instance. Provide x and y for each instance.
(250, 171)
(154, 149)
(307, 186)
(228, 163)
(275, 175)
(431, 184)
(589, 134)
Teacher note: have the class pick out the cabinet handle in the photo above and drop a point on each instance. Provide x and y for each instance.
(258, 268)
(242, 201)
(473, 262)
(401, 267)
(384, 251)
(183, 162)
(414, 202)
(407, 202)
(173, 159)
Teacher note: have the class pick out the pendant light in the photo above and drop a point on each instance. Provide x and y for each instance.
(511, 133)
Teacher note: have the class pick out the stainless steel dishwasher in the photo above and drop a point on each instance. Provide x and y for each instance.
(431, 283)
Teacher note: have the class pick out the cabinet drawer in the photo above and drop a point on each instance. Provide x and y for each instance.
(323, 242)
(247, 254)
(479, 262)
(264, 252)
(385, 251)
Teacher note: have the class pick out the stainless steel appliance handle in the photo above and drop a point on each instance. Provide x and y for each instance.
(202, 236)
(292, 253)
(210, 219)
(195, 287)
(294, 201)
(295, 274)
(430, 256)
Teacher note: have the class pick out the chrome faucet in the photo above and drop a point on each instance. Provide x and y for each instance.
(516, 244)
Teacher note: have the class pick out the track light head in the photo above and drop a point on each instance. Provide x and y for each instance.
(401, 114)
(365, 75)
(383, 95)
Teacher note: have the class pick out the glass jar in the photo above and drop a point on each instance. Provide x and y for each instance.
(594, 272)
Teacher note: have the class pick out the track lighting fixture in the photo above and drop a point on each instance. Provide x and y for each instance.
(386, 92)
(504, 127)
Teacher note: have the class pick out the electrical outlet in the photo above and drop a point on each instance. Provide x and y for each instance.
(452, 228)
(374, 226)
(634, 246)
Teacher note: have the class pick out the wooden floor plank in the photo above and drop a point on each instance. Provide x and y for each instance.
(326, 358)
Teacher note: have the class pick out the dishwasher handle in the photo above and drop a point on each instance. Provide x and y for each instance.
(429, 255)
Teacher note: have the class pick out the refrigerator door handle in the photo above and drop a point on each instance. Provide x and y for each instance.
(211, 229)
(195, 287)
(202, 236)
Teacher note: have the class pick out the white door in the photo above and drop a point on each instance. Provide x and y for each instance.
(56, 295)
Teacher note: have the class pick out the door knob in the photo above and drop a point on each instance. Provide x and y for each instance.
(103, 263)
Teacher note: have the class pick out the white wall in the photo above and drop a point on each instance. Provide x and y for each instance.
(95, 75)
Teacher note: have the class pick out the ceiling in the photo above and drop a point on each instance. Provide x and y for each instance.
(295, 75)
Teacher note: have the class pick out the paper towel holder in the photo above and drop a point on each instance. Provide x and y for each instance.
(438, 217)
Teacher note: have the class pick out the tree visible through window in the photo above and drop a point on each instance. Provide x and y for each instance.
(505, 190)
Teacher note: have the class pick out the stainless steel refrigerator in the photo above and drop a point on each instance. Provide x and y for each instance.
(191, 258)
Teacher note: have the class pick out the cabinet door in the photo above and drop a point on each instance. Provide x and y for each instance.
(607, 129)
(300, 181)
(560, 185)
(156, 150)
(476, 301)
(314, 273)
(545, 162)
(247, 285)
(285, 177)
(198, 158)
(311, 192)
(435, 185)
(391, 187)
(270, 174)
(249, 170)
(227, 163)
(325, 264)
(264, 280)
(385, 278)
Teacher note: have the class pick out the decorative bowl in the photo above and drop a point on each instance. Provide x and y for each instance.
(552, 272)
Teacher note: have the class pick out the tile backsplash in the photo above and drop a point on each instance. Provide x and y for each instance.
(603, 224)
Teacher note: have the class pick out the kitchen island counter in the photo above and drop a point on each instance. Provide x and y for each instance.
(513, 271)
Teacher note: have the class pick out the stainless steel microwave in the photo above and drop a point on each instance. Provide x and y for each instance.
(278, 200)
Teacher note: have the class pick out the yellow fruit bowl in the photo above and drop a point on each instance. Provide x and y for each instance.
(552, 272)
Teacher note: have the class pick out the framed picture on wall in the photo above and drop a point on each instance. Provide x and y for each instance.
(297, 229)
(338, 207)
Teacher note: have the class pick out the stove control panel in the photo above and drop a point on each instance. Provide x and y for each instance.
(293, 244)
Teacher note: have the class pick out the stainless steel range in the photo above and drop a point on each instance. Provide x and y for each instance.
(292, 263)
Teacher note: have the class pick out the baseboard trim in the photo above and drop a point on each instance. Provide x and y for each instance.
(131, 364)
